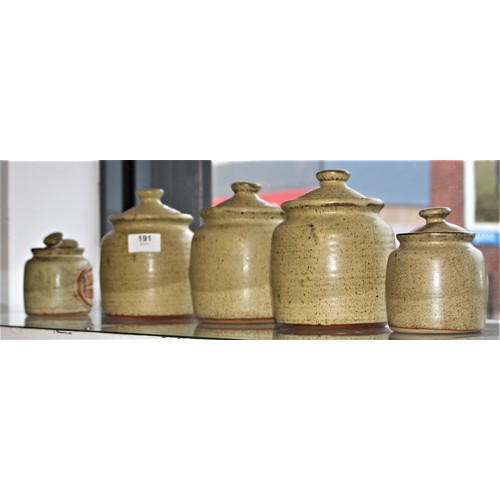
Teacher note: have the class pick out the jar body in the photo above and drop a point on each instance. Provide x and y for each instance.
(58, 285)
(329, 265)
(148, 281)
(436, 286)
(230, 269)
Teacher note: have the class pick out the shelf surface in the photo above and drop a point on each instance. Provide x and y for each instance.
(97, 326)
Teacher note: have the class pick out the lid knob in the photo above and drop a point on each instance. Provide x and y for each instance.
(434, 215)
(146, 195)
(53, 239)
(66, 243)
(245, 187)
(333, 175)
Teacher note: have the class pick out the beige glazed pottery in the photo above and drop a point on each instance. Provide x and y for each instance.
(436, 279)
(230, 258)
(329, 257)
(145, 261)
(58, 280)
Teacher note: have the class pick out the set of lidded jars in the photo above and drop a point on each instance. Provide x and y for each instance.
(323, 264)
(328, 260)
(149, 268)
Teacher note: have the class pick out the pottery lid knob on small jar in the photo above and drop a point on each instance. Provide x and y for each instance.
(53, 239)
(435, 224)
(57, 245)
(245, 202)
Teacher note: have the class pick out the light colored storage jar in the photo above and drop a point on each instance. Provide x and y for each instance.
(230, 258)
(436, 279)
(329, 257)
(58, 280)
(145, 261)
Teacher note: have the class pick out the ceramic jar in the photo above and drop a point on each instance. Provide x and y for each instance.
(230, 258)
(436, 279)
(329, 257)
(145, 261)
(58, 280)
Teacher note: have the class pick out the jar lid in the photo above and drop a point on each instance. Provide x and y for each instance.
(333, 190)
(245, 201)
(435, 224)
(55, 244)
(150, 208)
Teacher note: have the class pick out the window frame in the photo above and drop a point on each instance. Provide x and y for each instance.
(487, 233)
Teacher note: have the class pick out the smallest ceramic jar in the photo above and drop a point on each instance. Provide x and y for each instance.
(436, 279)
(58, 280)
(231, 258)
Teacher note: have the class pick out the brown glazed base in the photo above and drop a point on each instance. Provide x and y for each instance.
(238, 321)
(152, 319)
(237, 325)
(353, 329)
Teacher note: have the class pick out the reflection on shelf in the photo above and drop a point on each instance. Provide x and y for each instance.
(97, 324)
(434, 336)
(285, 332)
(163, 327)
(73, 322)
(227, 330)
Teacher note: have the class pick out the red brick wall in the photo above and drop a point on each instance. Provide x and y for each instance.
(447, 188)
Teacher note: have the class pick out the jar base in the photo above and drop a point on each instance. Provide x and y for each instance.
(237, 321)
(128, 318)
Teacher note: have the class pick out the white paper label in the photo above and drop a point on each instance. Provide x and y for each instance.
(144, 243)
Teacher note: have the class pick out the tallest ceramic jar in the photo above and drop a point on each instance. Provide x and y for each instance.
(145, 261)
(329, 257)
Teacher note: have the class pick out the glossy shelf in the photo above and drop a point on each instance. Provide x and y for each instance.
(95, 326)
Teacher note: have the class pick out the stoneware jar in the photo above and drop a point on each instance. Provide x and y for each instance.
(230, 258)
(58, 280)
(436, 279)
(145, 261)
(329, 257)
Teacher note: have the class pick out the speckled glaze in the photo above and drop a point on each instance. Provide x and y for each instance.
(230, 258)
(149, 283)
(436, 279)
(58, 280)
(329, 257)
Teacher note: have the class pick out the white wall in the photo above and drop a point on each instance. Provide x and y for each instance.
(4, 265)
(44, 197)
